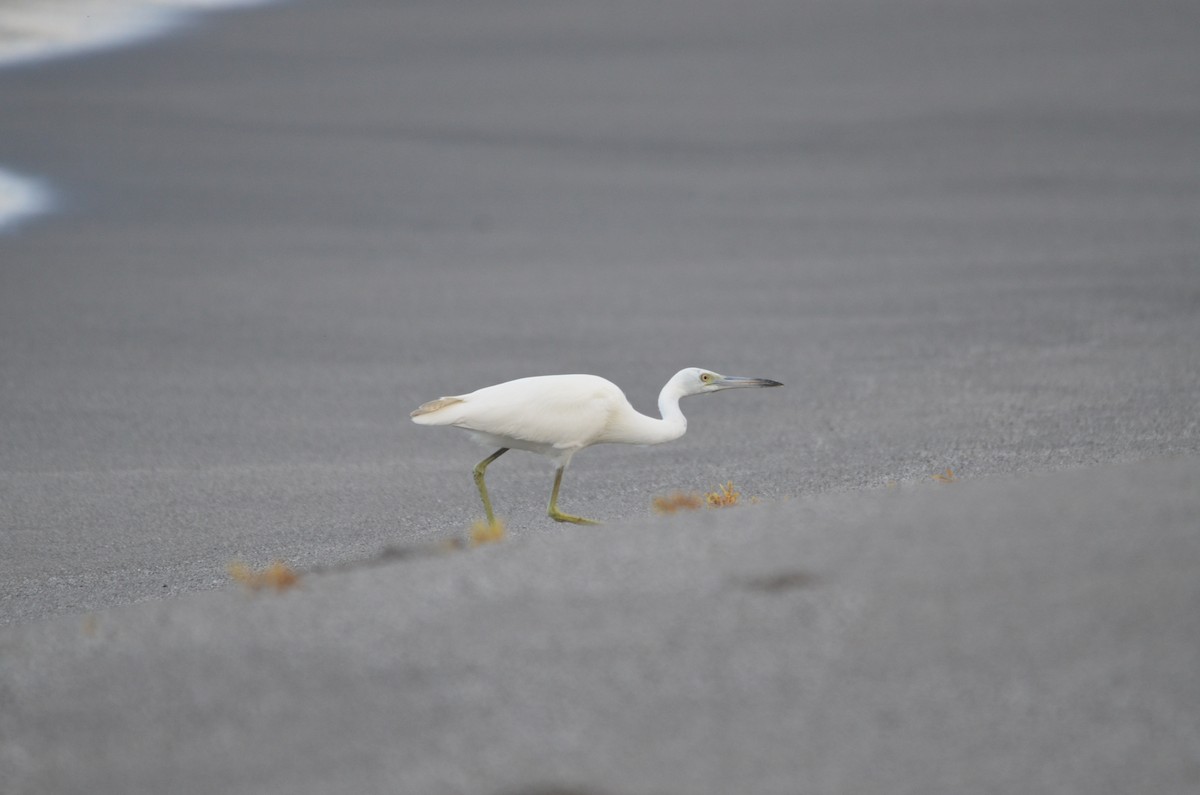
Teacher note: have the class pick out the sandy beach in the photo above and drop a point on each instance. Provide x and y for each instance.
(963, 235)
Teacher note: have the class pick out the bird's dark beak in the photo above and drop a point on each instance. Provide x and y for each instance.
(734, 381)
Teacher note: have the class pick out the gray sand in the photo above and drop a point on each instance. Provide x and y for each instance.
(1036, 635)
(963, 234)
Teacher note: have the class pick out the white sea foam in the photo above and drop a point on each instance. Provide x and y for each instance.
(20, 199)
(37, 30)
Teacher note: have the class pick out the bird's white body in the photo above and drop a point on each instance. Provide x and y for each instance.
(555, 416)
(559, 415)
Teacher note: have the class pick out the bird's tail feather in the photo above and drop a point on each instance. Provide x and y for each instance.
(435, 405)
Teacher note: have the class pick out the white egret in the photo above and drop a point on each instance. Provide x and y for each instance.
(559, 415)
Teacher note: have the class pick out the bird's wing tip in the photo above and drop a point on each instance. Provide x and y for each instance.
(435, 405)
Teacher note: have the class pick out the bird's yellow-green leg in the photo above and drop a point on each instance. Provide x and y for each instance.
(558, 515)
(480, 468)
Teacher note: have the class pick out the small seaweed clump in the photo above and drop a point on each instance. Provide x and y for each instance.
(945, 477)
(679, 501)
(278, 575)
(726, 497)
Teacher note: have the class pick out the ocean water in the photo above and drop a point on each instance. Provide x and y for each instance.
(33, 31)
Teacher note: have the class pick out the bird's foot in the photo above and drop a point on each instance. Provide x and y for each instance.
(487, 532)
(559, 516)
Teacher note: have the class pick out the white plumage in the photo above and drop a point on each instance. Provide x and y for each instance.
(559, 415)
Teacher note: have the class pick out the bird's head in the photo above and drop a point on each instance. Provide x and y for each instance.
(698, 381)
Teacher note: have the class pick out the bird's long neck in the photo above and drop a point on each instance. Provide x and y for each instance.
(673, 423)
(637, 428)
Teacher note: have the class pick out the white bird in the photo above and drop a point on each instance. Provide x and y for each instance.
(559, 415)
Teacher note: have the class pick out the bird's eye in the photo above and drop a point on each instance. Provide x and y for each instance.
(706, 377)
